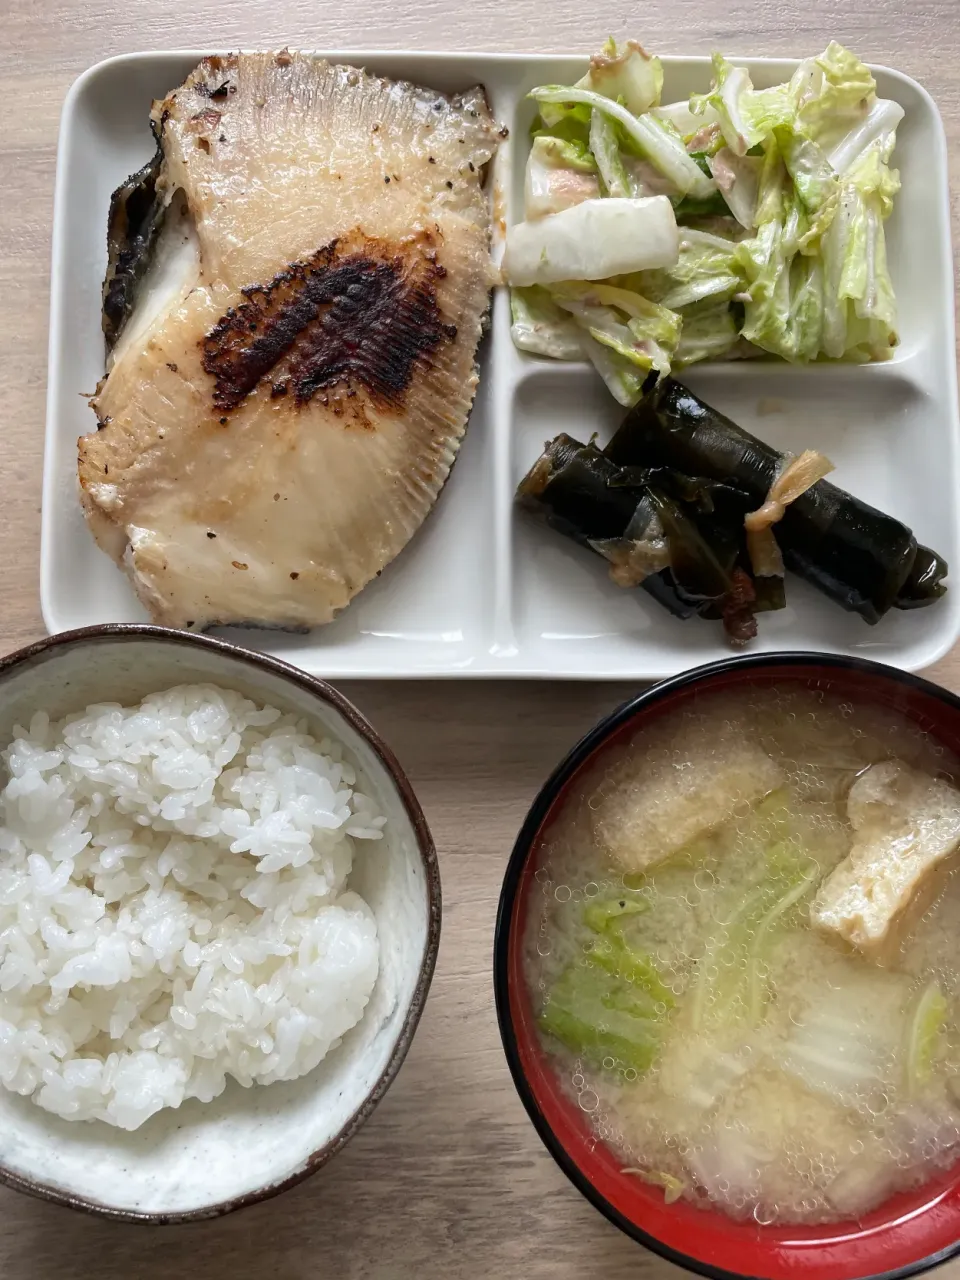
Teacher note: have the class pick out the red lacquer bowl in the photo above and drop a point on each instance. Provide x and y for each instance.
(912, 1231)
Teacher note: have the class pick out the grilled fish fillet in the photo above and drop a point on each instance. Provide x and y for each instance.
(291, 373)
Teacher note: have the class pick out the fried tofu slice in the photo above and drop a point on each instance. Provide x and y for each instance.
(906, 830)
(652, 810)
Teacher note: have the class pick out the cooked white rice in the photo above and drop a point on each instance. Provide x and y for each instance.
(173, 903)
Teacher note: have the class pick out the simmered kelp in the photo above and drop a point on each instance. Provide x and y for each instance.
(864, 560)
(645, 535)
(705, 517)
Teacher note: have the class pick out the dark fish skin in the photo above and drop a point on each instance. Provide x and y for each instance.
(249, 624)
(137, 211)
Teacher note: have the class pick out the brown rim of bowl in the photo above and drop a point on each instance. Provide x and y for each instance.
(327, 693)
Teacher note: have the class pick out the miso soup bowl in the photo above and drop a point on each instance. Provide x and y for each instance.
(913, 1231)
(202, 1160)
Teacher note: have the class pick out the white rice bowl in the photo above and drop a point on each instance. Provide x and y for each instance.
(174, 907)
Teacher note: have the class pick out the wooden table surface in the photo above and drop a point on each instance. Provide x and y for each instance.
(448, 1179)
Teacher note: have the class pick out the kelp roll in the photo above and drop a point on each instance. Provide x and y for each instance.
(645, 536)
(924, 582)
(866, 561)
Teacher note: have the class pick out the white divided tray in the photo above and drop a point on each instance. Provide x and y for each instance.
(482, 590)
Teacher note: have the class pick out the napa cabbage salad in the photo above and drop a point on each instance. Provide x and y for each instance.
(779, 196)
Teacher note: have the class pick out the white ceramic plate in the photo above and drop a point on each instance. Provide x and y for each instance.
(481, 591)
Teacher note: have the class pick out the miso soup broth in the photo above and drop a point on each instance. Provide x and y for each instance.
(742, 951)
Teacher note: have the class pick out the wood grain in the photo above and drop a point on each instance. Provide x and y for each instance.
(448, 1179)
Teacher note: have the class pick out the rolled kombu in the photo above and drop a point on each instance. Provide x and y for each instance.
(646, 536)
(864, 560)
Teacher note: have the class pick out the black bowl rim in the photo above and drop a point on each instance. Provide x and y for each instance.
(41, 651)
(511, 881)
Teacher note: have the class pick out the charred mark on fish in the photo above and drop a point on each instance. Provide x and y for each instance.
(214, 81)
(137, 211)
(358, 312)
